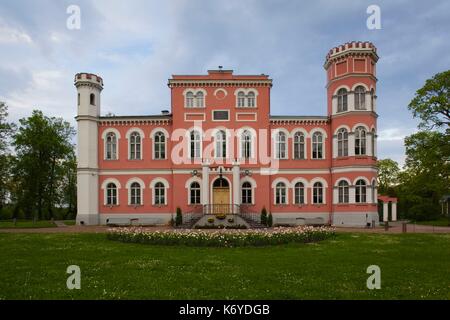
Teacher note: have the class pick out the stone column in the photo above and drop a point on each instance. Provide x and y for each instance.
(236, 183)
(334, 105)
(351, 144)
(205, 183)
(351, 101)
(335, 147)
(369, 144)
(351, 194)
(385, 211)
(335, 195)
(394, 211)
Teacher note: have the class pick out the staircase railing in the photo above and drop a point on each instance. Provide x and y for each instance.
(221, 209)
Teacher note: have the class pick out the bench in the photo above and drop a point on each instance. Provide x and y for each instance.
(148, 221)
(314, 221)
(299, 221)
(118, 221)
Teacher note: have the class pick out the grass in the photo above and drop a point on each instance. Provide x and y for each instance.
(69, 222)
(6, 224)
(413, 266)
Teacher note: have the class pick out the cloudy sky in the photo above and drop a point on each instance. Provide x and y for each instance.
(137, 45)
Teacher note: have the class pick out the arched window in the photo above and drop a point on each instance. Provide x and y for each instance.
(251, 99)
(360, 191)
(280, 145)
(374, 191)
(160, 145)
(374, 141)
(160, 193)
(189, 100)
(343, 192)
(135, 194)
(342, 138)
(241, 99)
(360, 98)
(111, 194)
(92, 99)
(342, 100)
(246, 145)
(299, 145)
(317, 193)
(360, 141)
(299, 193)
(199, 98)
(317, 146)
(195, 193)
(221, 144)
(135, 146)
(195, 144)
(111, 146)
(280, 193)
(246, 197)
(372, 98)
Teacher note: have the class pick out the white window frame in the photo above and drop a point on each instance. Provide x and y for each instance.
(166, 193)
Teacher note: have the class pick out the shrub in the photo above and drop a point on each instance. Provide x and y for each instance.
(222, 238)
(179, 217)
(424, 211)
(171, 221)
(270, 220)
(210, 220)
(264, 216)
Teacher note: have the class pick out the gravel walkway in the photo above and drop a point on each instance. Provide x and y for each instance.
(394, 228)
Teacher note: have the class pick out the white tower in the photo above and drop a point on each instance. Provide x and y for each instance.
(89, 87)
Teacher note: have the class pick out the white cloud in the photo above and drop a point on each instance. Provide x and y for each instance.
(10, 36)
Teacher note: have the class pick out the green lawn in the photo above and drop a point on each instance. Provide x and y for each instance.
(413, 266)
(69, 222)
(26, 224)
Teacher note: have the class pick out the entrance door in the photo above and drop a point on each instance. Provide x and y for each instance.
(221, 196)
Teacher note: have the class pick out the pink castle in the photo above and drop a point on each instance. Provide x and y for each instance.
(218, 151)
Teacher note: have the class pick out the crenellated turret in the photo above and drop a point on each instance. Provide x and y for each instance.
(89, 87)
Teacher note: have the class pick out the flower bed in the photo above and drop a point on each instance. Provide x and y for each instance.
(224, 238)
(221, 226)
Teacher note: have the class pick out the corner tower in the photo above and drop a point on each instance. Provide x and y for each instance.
(351, 99)
(89, 87)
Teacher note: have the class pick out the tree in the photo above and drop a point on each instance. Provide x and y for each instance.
(179, 217)
(68, 185)
(6, 129)
(426, 174)
(264, 216)
(43, 145)
(432, 102)
(388, 171)
(270, 220)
